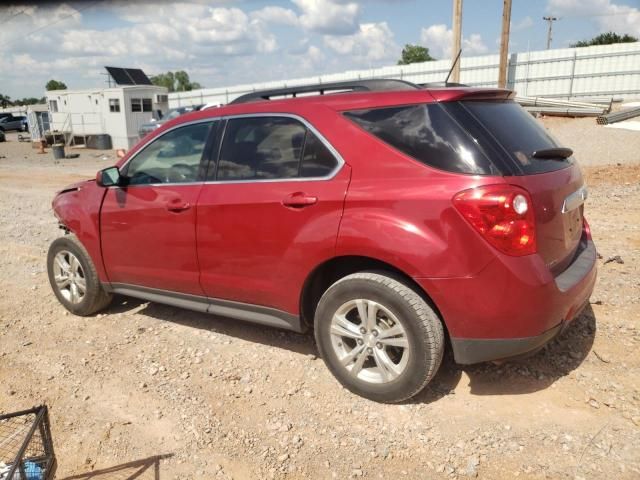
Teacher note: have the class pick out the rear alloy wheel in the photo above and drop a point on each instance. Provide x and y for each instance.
(378, 336)
(73, 277)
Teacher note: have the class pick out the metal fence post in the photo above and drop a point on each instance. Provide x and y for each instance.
(573, 73)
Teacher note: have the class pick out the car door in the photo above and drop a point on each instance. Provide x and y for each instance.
(270, 211)
(15, 123)
(148, 225)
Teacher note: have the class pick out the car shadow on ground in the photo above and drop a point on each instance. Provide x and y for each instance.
(145, 469)
(299, 343)
(518, 376)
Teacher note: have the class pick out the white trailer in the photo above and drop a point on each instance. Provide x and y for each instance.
(118, 112)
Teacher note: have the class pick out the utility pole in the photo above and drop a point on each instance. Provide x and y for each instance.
(550, 20)
(504, 44)
(457, 39)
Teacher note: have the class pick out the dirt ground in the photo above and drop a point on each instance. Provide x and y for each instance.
(145, 388)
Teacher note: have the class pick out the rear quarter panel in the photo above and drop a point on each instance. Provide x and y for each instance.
(399, 210)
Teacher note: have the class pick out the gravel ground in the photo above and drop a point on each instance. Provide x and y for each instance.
(145, 386)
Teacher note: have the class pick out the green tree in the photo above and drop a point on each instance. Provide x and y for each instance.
(606, 39)
(29, 101)
(414, 54)
(55, 85)
(164, 80)
(5, 101)
(175, 81)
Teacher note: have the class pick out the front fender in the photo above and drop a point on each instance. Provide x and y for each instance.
(77, 207)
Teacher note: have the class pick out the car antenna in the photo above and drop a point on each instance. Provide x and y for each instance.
(446, 80)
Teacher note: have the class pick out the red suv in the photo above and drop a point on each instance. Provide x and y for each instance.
(385, 216)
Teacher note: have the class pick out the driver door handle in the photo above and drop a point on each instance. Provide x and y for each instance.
(178, 206)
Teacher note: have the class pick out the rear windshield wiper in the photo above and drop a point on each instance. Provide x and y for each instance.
(558, 153)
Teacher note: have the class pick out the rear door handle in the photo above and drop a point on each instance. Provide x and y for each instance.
(299, 200)
(178, 206)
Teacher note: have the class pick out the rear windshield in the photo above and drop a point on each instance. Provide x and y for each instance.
(518, 133)
(428, 134)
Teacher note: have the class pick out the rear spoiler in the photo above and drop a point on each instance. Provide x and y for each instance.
(455, 94)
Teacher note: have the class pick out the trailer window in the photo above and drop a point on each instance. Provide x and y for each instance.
(136, 105)
(114, 104)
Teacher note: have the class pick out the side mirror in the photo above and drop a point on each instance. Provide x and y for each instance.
(109, 177)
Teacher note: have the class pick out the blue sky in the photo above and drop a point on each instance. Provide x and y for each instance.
(225, 42)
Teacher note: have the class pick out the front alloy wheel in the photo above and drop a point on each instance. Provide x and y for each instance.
(69, 277)
(73, 277)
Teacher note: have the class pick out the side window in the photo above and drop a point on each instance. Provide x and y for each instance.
(114, 105)
(261, 148)
(272, 148)
(317, 160)
(172, 158)
(136, 105)
(428, 134)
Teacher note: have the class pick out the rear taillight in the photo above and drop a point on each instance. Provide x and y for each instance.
(502, 214)
(586, 228)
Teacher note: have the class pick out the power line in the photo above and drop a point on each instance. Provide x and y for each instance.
(78, 10)
(12, 16)
(587, 15)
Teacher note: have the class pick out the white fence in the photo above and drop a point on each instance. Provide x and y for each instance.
(606, 70)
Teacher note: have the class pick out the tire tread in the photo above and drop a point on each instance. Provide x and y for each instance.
(428, 321)
(101, 298)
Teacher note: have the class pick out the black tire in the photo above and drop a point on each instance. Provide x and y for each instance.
(424, 334)
(95, 297)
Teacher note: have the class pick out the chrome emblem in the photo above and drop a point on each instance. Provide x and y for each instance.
(574, 200)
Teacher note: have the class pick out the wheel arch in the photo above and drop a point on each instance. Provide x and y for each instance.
(331, 270)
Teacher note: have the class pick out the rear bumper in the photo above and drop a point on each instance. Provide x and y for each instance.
(513, 306)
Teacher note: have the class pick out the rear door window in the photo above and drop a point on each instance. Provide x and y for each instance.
(518, 133)
(428, 134)
(272, 148)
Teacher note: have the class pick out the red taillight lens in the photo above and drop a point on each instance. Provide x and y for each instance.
(587, 228)
(503, 215)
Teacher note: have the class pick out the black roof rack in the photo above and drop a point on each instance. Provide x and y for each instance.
(324, 88)
(442, 85)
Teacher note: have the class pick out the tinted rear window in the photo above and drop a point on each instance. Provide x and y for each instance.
(428, 134)
(272, 148)
(518, 133)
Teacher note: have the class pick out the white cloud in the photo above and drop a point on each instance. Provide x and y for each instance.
(276, 16)
(329, 16)
(438, 38)
(372, 43)
(607, 15)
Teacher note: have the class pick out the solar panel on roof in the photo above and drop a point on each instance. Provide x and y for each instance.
(128, 76)
(120, 76)
(138, 76)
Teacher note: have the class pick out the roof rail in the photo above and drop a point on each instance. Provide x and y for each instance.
(324, 88)
(442, 85)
